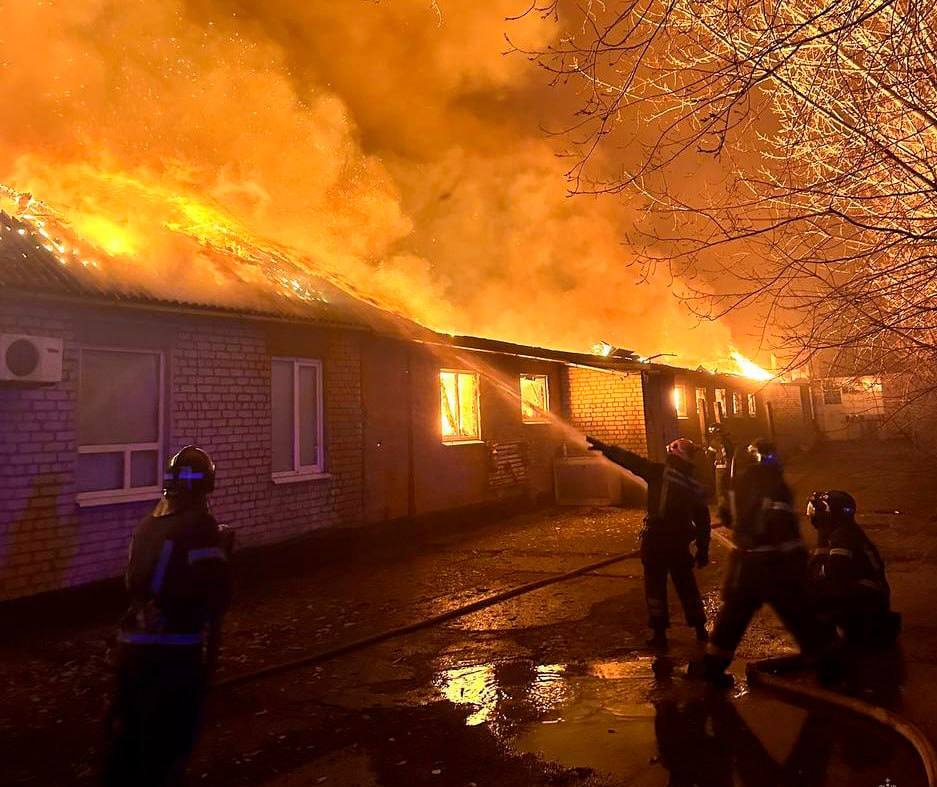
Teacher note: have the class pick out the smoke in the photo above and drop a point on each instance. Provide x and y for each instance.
(381, 143)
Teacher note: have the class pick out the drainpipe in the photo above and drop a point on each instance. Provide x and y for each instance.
(411, 479)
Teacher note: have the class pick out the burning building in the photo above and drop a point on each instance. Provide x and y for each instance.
(320, 410)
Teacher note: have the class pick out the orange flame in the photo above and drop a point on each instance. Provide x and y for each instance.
(750, 369)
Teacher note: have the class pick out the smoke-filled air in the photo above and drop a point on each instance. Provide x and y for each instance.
(392, 147)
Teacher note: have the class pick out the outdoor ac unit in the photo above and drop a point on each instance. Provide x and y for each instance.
(30, 359)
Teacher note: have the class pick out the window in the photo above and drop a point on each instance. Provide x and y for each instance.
(296, 404)
(702, 405)
(832, 394)
(736, 403)
(752, 406)
(120, 421)
(535, 398)
(679, 401)
(721, 411)
(458, 395)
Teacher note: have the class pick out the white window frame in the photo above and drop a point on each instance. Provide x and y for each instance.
(127, 494)
(301, 472)
(683, 398)
(537, 419)
(459, 439)
(736, 404)
(752, 406)
(721, 397)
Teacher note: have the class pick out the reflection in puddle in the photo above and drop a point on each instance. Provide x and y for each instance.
(549, 688)
(639, 667)
(474, 685)
(630, 721)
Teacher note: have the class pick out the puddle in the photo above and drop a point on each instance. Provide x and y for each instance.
(636, 721)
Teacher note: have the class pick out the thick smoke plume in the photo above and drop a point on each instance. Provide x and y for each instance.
(394, 148)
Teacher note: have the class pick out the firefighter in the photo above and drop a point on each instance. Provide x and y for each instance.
(769, 564)
(677, 514)
(847, 575)
(179, 587)
(721, 450)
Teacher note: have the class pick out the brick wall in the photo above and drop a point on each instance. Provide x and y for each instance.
(217, 395)
(793, 427)
(608, 405)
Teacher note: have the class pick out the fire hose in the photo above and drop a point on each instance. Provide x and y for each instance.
(764, 672)
(760, 672)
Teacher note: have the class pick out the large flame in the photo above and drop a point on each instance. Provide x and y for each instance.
(220, 148)
(748, 368)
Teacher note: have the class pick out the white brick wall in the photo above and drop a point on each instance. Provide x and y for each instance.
(218, 395)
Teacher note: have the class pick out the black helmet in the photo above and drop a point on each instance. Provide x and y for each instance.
(831, 507)
(191, 473)
(763, 452)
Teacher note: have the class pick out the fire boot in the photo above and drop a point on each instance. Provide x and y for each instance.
(711, 669)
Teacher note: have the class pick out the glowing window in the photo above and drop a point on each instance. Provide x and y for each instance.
(721, 411)
(736, 403)
(752, 406)
(679, 401)
(459, 406)
(702, 402)
(535, 398)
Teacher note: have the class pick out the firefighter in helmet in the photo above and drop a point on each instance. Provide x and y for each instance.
(768, 564)
(721, 451)
(179, 587)
(847, 581)
(677, 515)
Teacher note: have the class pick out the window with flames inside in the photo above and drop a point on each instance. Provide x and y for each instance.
(535, 398)
(459, 406)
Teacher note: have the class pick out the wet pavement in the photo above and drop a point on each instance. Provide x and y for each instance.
(551, 688)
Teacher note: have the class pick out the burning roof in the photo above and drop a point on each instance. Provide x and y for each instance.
(35, 262)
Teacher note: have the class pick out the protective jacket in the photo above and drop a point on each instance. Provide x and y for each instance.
(177, 577)
(677, 513)
(761, 512)
(846, 567)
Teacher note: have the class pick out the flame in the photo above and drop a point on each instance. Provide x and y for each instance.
(750, 369)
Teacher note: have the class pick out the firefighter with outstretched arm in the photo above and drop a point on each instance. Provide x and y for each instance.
(179, 587)
(677, 515)
(768, 564)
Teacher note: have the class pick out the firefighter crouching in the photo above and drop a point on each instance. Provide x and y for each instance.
(677, 514)
(769, 565)
(179, 587)
(847, 581)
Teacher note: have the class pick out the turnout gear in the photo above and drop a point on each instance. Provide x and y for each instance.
(847, 580)
(178, 581)
(721, 450)
(769, 564)
(677, 515)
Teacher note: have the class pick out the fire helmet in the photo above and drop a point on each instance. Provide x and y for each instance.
(763, 452)
(191, 473)
(682, 448)
(831, 507)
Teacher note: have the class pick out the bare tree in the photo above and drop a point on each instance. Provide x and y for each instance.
(823, 118)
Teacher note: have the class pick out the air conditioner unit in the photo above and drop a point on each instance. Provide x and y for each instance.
(30, 359)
